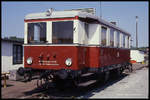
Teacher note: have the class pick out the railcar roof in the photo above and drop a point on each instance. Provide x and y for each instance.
(63, 14)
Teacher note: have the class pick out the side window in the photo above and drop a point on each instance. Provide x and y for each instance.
(118, 39)
(17, 54)
(123, 40)
(86, 29)
(111, 37)
(103, 36)
(127, 41)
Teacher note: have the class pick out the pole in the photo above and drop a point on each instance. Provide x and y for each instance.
(136, 31)
(100, 10)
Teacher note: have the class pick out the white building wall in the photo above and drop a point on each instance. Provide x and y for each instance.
(137, 55)
(7, 57)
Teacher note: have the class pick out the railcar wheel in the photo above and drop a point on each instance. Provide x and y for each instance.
(105, 77)
(59, 83)
(116, 73)
(130, 68)
(119, 72)
(73, 83)
(27, 77)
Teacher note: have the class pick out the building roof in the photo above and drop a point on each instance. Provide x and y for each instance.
(63, 14)
(11, 40)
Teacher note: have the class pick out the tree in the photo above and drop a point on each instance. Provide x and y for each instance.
(16, 38)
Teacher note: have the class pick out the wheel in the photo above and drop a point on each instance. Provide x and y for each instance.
(59, 84)
(27, 77)
(119, 72)
(104, 77)
(20, 71)
(130, 68)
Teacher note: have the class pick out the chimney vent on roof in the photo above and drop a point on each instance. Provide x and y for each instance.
(113, 23)
(49, 11)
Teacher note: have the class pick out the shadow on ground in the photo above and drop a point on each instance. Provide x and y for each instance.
(78, 92)
(8, 85)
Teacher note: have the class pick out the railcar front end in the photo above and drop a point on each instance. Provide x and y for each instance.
(63, 45)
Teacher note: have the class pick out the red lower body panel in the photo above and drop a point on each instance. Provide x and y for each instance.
(53, 57)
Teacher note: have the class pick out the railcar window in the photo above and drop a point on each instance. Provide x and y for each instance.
(87, 29)
(111, 37)
(123, 41)
(103, 36)
(62, 32)
(37, 32)
(118, 39)
(127, 41)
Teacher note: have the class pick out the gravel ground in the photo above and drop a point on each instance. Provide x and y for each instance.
(132, 85)
(135, 85)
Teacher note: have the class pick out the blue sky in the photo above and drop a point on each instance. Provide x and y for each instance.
(123, 13)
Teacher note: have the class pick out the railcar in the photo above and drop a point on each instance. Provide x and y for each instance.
(63, 45)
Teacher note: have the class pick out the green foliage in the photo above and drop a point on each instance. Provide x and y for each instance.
(140, 48)
(143, 48)
(16, 38)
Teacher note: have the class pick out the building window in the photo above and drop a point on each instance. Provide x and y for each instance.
(103, 36)
(17, 54)
(112, 37)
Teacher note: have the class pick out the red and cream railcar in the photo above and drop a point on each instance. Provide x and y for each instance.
(66, 44)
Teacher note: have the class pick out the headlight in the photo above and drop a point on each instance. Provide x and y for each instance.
(29, 61)
(68, 62)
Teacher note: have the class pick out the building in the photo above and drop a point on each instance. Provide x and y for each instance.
(137, 56)
(11, 54)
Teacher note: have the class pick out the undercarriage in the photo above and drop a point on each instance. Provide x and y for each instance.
(66, 77)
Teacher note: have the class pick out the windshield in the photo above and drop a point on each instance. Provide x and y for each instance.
(37, 32)
(62, 32)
